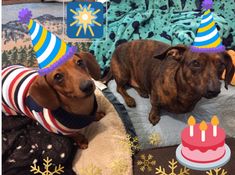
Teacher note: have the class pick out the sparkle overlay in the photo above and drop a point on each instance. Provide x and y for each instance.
(47, 164)
(85, 20)
(172, 165)
(154, 139)
(91, 170)
(146, 162)
(119, 167)
(130, 142)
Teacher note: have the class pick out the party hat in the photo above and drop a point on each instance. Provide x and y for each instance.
(49, 49)
(207, 38)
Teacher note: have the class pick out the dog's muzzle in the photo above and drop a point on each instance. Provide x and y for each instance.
(87, 87)
(211, 94)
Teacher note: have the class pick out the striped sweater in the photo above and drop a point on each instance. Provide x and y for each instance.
(16, 81)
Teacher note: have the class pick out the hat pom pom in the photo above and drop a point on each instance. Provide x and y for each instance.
(25, 15)
(207, 4)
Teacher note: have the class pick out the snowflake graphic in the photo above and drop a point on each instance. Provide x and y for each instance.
(91, 170)
(130, 143)
(172, 165)
(154, 139)
(119, 167)
(47, 164)
(217, 172)
(146, 162)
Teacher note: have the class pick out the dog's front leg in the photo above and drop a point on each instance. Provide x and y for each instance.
(99, 115)
(81, 140)
(154, 115)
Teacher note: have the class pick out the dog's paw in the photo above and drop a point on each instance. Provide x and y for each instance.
(153, 118)
(130, 102)
(81, 141)
(99, 116)
(83, 145)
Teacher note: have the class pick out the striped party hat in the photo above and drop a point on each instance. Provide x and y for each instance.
(207, 38)
(50, 50)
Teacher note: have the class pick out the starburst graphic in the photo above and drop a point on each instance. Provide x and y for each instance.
(130, 143)
(146, 162)
(217, 171)
(172, 165)
(87, 16)
(154, 139)
(47, 164)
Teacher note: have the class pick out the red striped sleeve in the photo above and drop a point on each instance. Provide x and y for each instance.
(56, 124)
(24, 96)
(8, 110)
(44, 122)
(7, 69)
(11, 92)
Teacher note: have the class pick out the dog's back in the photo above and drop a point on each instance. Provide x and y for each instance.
(132, 61)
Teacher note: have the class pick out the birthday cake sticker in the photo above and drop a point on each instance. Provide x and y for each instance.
(203, 145)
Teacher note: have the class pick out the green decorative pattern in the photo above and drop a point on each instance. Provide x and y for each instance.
(170, 21)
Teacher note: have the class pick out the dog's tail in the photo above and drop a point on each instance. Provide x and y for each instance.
(107, 77)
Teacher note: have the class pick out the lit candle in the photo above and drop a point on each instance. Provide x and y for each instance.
(215, 123)
(203, 128)
(191, 123)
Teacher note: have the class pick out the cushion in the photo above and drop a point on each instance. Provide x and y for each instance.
(167, 131)
(108, 150)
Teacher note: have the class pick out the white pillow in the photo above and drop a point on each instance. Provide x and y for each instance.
(171, 125)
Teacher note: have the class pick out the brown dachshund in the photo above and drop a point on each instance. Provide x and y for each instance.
(63, 101)
(175, 77)
(71, 87)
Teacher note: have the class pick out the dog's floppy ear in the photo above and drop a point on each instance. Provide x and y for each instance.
(43, 94)
(175, 52)
(91, 63)
(229, 67)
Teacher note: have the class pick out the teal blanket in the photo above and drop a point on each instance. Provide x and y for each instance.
(170, 21)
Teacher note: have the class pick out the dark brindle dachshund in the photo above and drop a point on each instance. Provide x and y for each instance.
(175, 77)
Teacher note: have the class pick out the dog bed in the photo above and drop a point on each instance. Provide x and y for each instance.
(167, 131)
(108, 151)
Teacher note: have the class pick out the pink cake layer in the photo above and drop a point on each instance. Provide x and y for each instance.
(211, 142)
(203, 157)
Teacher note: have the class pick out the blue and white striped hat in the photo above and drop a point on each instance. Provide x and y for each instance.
(207, 38)
(50, 50)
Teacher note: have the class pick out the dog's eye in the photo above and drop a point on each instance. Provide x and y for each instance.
(59, 77)
(196, 64)
(80, 63)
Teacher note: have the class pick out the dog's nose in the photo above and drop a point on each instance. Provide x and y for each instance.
(211, 94)
(86, 86)
(213, 89)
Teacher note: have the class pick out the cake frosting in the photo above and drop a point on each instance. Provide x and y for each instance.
(211, 150)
